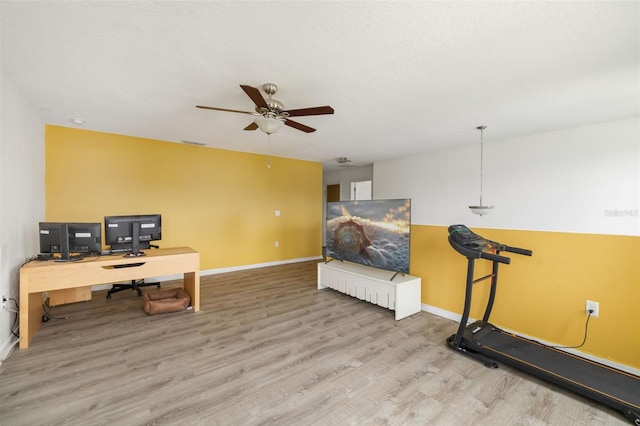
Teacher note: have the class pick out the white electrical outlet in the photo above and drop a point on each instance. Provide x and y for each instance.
(277, 244)
(4, 302)
(592, 306)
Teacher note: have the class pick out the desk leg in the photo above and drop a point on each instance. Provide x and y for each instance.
(192, 285)
(30, 317)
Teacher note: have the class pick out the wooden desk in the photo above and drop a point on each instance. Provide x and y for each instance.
(37, 277)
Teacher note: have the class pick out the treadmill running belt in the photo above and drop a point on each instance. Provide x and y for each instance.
(588, 377)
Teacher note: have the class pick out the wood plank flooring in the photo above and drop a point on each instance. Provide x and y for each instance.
(267, 348)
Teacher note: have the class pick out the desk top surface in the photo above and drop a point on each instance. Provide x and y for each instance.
(115, 259)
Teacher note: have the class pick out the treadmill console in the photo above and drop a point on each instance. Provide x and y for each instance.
(473, 246)
(465, 237)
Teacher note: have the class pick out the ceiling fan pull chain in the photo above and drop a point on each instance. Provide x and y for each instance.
(269, 150)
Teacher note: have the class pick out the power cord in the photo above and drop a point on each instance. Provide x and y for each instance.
(15, 319)
(584, 340)
(12, 345)
(29, 259)
(47, 312)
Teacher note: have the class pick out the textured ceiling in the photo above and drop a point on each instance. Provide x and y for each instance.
(403, 77)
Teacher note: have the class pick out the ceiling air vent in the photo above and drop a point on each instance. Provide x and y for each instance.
(196, 143)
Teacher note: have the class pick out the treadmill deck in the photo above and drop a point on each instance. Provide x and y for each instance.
(584, 376)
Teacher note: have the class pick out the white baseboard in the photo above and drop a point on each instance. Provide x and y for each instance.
(257, 265)
(456, 317)
(220, 270)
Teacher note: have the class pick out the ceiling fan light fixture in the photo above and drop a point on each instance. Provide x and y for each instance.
(269, 125)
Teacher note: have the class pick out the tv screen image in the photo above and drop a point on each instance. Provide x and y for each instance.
(370, 232)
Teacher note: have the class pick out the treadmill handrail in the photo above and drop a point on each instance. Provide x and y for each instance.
(494, 257)
(525, 252)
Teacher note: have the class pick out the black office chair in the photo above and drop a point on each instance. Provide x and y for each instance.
(135, 284)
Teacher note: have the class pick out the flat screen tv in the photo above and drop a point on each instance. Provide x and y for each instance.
(131, 233)
(72, 240)
(370, 232)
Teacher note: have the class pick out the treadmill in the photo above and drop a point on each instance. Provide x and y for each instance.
(487, 343)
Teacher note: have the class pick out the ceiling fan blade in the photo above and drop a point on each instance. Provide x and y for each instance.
(252, 126)
(255, 96)
(223, 109)
(299, 126)
(310, 111)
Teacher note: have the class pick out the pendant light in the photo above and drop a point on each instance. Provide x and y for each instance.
(481, 209)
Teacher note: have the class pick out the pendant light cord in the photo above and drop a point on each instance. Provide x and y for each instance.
(481, 128)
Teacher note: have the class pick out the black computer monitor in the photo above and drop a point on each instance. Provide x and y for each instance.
(72, 240)
(131, 233)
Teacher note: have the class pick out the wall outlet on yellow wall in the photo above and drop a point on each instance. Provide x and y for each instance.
(593, 307)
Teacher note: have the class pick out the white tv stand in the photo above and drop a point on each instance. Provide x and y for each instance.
(373, 285)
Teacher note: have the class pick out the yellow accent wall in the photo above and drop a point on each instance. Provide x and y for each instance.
(221, 203)
(544, 296)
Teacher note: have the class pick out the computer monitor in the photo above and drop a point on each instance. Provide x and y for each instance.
(131, 233)
(72, 240)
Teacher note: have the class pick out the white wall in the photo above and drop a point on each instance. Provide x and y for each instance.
(342, 176)
(583, 180)
(21, 194)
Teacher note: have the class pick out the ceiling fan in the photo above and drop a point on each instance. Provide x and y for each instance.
(270, 113)
(343, 162)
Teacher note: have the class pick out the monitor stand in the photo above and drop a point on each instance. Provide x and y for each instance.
(132, 254)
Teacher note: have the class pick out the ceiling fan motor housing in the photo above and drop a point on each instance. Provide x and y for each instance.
(275, 106)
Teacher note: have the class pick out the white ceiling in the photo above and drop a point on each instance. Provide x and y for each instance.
(403, 77)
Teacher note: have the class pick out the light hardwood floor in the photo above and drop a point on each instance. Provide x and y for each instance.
(267, 348)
